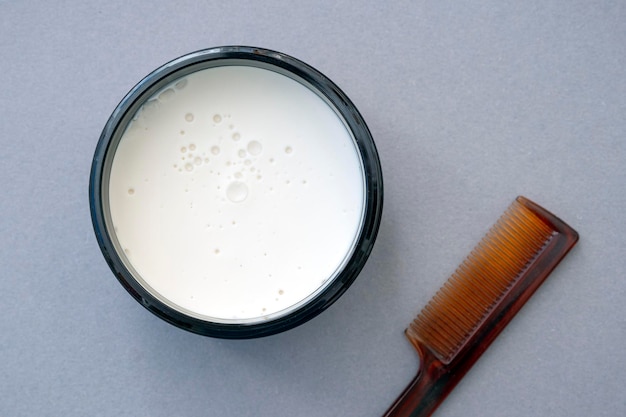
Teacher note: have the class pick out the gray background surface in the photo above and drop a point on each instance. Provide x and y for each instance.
(470, 104)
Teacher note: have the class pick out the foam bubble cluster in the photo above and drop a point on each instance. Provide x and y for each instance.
(230, 154)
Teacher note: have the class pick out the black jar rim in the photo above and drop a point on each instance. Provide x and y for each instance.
(285, 65)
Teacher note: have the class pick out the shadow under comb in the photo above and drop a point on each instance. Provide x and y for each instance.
(480, 299)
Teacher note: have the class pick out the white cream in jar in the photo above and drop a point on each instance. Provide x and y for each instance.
(236, 194)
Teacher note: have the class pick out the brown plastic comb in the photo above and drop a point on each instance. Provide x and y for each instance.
(479, 300)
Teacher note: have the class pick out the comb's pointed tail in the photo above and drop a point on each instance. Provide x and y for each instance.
(426, 391)
(480, 299)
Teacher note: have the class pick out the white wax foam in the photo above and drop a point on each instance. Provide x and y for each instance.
(236, 193)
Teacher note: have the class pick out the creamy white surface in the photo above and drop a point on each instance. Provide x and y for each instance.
(236, 193)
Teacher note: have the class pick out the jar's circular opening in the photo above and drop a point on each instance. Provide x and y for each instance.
(113, 199)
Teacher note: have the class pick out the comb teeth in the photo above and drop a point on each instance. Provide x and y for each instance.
(480, 282)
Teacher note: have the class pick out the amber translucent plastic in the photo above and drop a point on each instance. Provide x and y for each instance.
(480, 299)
